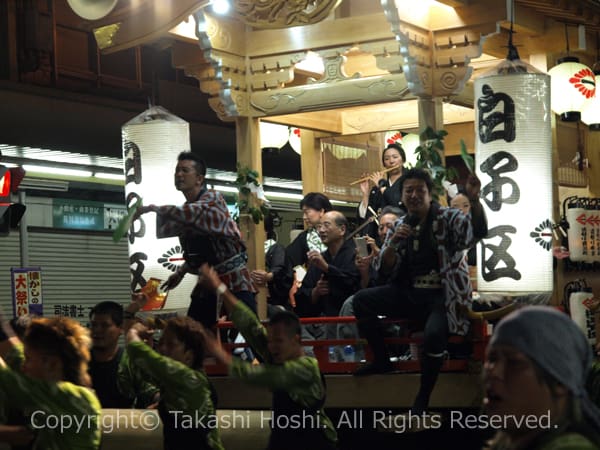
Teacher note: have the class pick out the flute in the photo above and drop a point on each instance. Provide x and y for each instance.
(360, 227)
(360, 180)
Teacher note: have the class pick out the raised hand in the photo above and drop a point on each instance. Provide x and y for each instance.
(139, 332)
(140, 299)
(376, 177)
(316, 258)
(208, 277)
(173, 281)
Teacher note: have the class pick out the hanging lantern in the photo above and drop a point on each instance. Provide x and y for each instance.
(151, 143)
(573, 85)
(514, 163)
(410, 142)
(273, 136)
(294, 140)
(591, 113)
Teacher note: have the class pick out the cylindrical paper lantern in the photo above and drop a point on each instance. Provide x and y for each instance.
(514, 164)
(576, 216)
(583, 216)
(151, 143)
(590, 229)
(580, 309)
(595, 223)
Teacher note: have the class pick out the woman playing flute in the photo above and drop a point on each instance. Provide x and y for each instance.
(385, 191)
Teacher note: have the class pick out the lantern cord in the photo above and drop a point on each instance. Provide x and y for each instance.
(596, 67)
(513, 54)
(567, 37)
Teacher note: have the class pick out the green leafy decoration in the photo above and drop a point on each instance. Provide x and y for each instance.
(248, 203)
(429, 157)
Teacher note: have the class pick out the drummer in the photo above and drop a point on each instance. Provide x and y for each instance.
(381, 188)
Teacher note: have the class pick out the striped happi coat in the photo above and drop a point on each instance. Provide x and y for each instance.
(453, 234)
(208, 217)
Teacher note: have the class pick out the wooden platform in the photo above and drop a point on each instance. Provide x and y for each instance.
(453, 390)
(458, 386)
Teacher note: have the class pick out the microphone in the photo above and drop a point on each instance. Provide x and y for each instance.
(411, 220)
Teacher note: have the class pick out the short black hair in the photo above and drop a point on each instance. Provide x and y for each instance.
(113, 309)
(199, 162)
(418, 174)
(316, 201)
(460, 190)
(389, 209)
(397, 147)
(289, 320)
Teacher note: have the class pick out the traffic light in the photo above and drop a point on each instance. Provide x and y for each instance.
(10, 213)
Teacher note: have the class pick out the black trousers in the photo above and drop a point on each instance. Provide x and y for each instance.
(399, 302)
(203, 307)
(396, 301)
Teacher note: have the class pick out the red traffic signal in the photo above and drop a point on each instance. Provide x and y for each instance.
(5, 177)
(10, 179)
(10, 213)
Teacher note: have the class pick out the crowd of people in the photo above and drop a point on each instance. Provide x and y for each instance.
(417, 267)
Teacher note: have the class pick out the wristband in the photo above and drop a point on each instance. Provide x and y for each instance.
(382, 183)
(221, 289)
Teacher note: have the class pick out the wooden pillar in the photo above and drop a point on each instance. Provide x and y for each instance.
(559, 275)
(249, 155)
(541, 62)
(592, 152)
(311, 163)
(431, 113)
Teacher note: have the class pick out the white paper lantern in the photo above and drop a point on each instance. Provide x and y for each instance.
(572, 87)
(273, 135)
(514, 164)
(410, 142)
(151, 143)
(591, 113)
(92, 10)
(583, 216)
